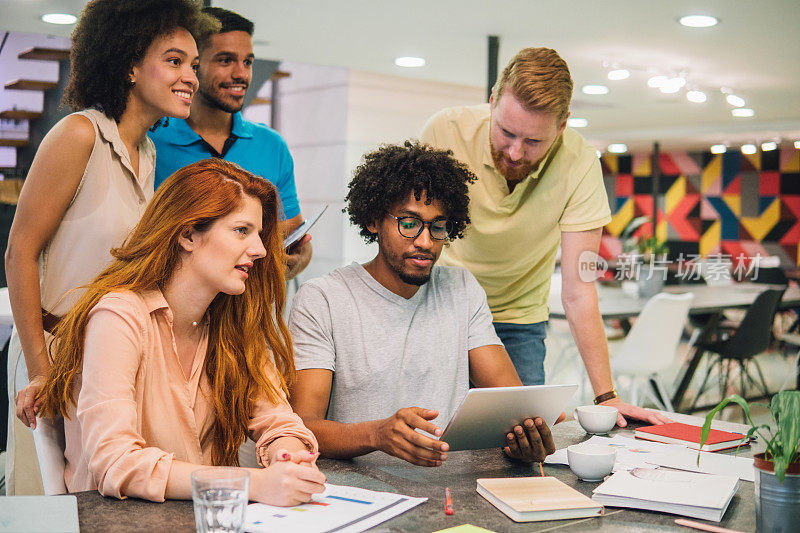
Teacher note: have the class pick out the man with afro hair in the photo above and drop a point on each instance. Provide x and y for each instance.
(391, 346)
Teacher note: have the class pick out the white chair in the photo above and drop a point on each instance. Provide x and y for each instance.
(651, 346)
(49, 440)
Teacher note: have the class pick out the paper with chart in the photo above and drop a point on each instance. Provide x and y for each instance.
(340, 508)
(631, 453)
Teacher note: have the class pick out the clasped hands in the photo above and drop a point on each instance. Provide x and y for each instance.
(529, 442)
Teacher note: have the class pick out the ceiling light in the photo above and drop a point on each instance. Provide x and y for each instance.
(735, 101)
(409, 62)
(594, 89)
(697, 97)
(768, 146)
(672, 85)
(742, 112)
(577, 122)
(657, 81)
(698, 21)
(617, 148)
(797, 144)
(59, 18)
(749, 149)
(719, 149)
(619, 74)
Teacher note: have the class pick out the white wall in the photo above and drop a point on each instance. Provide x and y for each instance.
(330, 117)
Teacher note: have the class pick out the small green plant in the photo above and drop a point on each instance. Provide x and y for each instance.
(782, 441)
(644, 246)
(651, 247)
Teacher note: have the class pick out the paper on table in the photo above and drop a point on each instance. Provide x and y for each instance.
(631, 453)
(40, 514)
(710, 463)
(340, 508)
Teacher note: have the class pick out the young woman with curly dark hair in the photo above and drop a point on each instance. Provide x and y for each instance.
(132, 63)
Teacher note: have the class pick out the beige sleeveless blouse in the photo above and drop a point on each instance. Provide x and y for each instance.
(108, 203)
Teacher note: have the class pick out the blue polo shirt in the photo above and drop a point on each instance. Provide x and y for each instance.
(254, 147)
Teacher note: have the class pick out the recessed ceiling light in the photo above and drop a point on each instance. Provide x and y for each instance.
(409, 62)
(672, 85)
(742, 112)
(617, 148)
(719, 149)
(594, 89)
(619, 74)
(749, 149)
(797, 144)
(697, 97)
(577, 122)
(735, 101)
(657, 81)
(698, 21)
(59, 18)
(768, 146)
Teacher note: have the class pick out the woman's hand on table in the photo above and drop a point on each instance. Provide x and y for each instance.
(27, 401)
(286, 482)
(530, 441)
(635, 413)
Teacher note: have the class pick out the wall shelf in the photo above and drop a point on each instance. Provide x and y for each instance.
(44, 54)
(18, 114)
(31, 85)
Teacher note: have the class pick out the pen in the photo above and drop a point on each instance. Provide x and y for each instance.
(448, 502)
(541, 470)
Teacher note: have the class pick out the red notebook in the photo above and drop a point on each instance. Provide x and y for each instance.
(677, 433)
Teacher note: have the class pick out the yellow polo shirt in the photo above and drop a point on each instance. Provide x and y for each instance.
(511, 244)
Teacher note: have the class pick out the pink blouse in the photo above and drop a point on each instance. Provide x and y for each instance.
(136, 410)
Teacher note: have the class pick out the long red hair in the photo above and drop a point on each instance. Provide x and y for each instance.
(247, 335)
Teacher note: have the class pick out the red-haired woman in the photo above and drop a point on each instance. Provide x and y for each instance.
(177, 352)
(132, 62)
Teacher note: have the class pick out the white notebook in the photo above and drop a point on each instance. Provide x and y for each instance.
(704, 496)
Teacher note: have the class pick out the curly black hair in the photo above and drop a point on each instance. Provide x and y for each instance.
(390, 174)
(111, 37)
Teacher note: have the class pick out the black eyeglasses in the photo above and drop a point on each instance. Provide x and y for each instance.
(411, 227)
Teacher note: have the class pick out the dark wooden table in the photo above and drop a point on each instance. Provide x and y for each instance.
(384, 473)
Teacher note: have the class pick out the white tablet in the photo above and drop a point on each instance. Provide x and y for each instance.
(485, 416)
(301, 230)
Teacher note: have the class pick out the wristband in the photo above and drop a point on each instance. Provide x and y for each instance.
(606, 396)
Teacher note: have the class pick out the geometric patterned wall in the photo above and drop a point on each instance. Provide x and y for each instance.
(729, 203)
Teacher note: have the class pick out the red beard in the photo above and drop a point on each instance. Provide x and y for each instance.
(515, 174)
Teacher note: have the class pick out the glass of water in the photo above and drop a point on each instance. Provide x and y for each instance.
(220, 497)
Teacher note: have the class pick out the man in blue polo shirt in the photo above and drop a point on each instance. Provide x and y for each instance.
(216, 128)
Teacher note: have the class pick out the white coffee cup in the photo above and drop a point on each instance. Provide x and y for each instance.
(590, 463)
(596, 419)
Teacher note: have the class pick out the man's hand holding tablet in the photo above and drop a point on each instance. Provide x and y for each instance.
(531, 441)
(397, 436)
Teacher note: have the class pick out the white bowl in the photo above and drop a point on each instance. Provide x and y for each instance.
(590, 463)
(596, 419)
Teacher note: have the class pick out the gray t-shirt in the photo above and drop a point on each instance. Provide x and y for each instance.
(386, 352)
